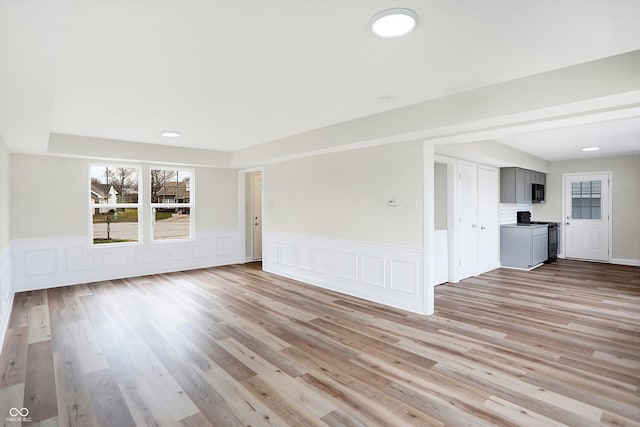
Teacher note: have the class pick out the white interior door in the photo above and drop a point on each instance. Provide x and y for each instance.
(488, 219)
(467, 195)
(587, 216)
(256, 214)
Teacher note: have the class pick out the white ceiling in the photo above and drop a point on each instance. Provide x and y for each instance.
(233, 74)
(615, 138)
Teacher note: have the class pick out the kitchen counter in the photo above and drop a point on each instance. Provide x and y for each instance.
(523, 246)
(524, 225)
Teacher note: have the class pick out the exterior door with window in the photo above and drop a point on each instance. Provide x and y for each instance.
(587, 216)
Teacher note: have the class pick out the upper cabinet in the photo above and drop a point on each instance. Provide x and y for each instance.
(516, 185)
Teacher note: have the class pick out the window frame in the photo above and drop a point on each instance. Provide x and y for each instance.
(93, 206)
(190, 205)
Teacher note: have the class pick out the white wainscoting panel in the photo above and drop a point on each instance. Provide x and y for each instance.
(41, 261)
(373, 270)
(441, 257)
(304, 257)
(6, 292)
(58, 261)
(385, 274)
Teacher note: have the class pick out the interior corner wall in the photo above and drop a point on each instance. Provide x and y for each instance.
(625, 196)
(350, 221)
(50, 227)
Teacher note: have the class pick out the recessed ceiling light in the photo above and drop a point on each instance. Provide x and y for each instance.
(591, 149)
(171, 133)
(395, 22)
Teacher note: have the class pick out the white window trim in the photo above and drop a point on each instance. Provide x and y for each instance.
(93, 206)
(191, 205)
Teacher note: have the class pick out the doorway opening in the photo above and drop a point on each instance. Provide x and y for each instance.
(586, 213)
(250, 189)
(445, 245)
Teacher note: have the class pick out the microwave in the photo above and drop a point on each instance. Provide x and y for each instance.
(537, 193)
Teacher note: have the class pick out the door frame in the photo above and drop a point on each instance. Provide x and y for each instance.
(564, 211)
(242, 232)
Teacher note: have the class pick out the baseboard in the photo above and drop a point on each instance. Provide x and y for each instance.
(622, 261)
(384, 274)
(52, 262)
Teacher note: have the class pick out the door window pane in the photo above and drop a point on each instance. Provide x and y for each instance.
(586, 200)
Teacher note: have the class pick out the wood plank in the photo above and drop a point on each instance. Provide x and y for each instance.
(11, 396)
(39, 324)
(40, 387)
(109, 405)
(73, 399)
(13, 360)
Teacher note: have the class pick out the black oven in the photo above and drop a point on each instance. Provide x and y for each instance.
(537, 193)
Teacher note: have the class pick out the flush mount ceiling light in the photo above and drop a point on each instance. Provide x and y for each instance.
(591, 149)
(171, 133)
(396, 22)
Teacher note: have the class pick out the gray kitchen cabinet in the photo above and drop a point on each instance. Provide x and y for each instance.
(515, 184)
(523, 245)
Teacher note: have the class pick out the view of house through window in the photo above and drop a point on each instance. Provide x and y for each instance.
(171, 192)
(114, 204)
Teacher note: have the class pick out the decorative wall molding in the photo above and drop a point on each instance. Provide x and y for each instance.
(385, 274)
(58, 261)
(440, 257)
(6, 293)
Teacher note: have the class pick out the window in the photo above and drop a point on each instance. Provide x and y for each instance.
(586, 200)
(114, 203)
(171, 203)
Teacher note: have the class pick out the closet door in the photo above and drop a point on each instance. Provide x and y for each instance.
(467, 227)
(488, 219)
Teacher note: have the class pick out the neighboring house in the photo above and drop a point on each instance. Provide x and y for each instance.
(174, 192)
(103, 194)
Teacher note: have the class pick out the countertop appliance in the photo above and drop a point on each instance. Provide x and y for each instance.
(523, 217)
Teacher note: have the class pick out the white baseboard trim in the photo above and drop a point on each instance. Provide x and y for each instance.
(622, 261)
(60, 261)
(384, 274)
(6, 293)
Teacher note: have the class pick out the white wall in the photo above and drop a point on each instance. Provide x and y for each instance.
(50, 227)
(343, 195)
(625, 197)
(6, 288)
(440, 196)
(327, 222)
(493, 153)
(5, 234)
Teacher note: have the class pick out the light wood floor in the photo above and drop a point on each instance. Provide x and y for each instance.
(236, 346)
